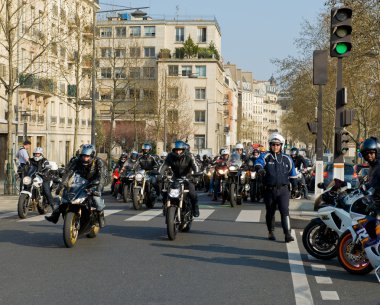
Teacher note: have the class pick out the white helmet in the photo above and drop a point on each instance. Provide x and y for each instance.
(276, 138)
(38, 150)
(224, 152)
(239, 146)
(164, 154)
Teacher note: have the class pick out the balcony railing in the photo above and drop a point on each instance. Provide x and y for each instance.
(30, 81)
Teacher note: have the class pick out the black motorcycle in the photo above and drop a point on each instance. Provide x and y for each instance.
(79, 211)
(300, 189)
(234, 180)
(127, 184)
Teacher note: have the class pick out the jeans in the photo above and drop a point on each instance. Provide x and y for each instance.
(99, 202)
(47, 193)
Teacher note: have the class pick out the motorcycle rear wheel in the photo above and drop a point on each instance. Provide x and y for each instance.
(317, 243)
(23, 205)
(171, 223)
(70, 230)
(355, 263)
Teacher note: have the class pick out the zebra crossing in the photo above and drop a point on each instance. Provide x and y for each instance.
(241, 216)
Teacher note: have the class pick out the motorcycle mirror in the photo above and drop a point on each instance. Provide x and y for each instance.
(321, 185)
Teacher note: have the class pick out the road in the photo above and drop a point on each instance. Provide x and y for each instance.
(225, 259)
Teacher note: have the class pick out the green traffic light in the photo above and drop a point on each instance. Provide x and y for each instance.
(341, 48)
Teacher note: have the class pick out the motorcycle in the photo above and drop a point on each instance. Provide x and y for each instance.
(256, 187)
(143, 191)
(79, 210)
(116, 183)
(127, 185)
(31, 196)
(245, 180)
(177, 208)
(234, 181)
(220, 180)
(301, 189)
(336, 207)
(364, 233)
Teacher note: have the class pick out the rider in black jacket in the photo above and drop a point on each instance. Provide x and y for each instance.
(301, 165)
(91, 168)
(182, 164)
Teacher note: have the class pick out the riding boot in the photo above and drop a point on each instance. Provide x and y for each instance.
(101, 219)
(270, 225)
(54, 217)
(195, 209)
(285, 221)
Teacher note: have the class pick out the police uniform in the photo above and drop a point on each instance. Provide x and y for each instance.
(279, 169)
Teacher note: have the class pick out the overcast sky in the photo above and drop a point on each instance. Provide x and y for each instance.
(253, 31)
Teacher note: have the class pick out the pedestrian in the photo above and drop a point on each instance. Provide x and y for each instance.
(23, 158)
(277, 170)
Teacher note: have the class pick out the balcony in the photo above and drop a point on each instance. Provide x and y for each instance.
(30, 81)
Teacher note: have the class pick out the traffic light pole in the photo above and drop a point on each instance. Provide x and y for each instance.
(338, 156)
(319, 146)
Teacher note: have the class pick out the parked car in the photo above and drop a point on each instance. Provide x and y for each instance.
(350, 175)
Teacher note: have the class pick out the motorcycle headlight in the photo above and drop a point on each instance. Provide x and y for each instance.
(139, 177)
(221, 172)
(232, 168)
(174, 193)
(253, 175)
(115, 177)
(27, 180)
(78, 200)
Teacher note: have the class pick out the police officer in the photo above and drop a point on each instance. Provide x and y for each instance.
(370, 150)
(181, 164)
(23, 159)
(277, 169)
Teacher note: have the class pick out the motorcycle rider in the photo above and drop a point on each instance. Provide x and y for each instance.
(277, 169)
(163, 155)
(149, 162)
(370, 150)
(130, 162)
(221, 161)
(122, 159)
(181, 164)
(239, 148)
(40, 162)
(91, 168)
(301, 165)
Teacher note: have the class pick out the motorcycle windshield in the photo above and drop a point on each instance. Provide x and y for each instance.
(235, 160)
(76, 189)
(31, 171)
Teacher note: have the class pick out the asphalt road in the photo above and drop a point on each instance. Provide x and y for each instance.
(224, 259)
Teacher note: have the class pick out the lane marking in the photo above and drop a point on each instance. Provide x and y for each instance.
(249, 216)
(110, 212)
(145, 216)
(204, 214)
(323, 280)
(316, 267)
(6, 215)
(301, 286)
(34, 219)
(329, 296)
(311, 258)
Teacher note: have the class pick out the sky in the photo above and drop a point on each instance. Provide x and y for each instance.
(253, 31)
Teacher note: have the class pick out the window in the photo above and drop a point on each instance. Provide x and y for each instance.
(202, 33)
(134, 51)
(106, 52)
(173, 70)
(121, 32)
(119, 53)
(173, 93)
(134, 73)
(200, 116)
(200, 93)
(120, 94)
(105, 32)
(106, 73)
(148, 93)
(149, 52)
(148, 72)
(180, 34)
(173, 115)
(135, 31)
(200, 71)
(104, 96)
(199, 141)
(134, 93)
(150, 31)
(186, 70)
(120, 72)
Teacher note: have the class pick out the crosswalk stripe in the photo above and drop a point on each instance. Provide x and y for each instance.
(6, 215)
(110, 212)
(249, 216)
(33, 219)
(145, 216)
(204, 214)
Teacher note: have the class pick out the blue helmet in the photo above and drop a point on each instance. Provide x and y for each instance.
(87, 150)
(180, 145)
(146, 148)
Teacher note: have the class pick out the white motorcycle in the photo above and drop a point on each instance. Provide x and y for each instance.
(336, 207)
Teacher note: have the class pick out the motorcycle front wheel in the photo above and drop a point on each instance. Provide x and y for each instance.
(319, 241)
(23, 205)
(353, 260)
(126, 193)
(70, 229)
(171, 223)
(43, 207)
(137, 201)
(233, 195)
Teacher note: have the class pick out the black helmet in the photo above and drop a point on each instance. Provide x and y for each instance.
(134, 156)
(369, 144)
(179, 145)
(87, 150)
(146, 148)
(294, 151)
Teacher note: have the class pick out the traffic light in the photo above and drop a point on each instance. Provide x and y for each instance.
(340, 32)
(344, 139)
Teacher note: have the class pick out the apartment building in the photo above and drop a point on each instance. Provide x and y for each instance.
(170, 88)
(51, 66)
